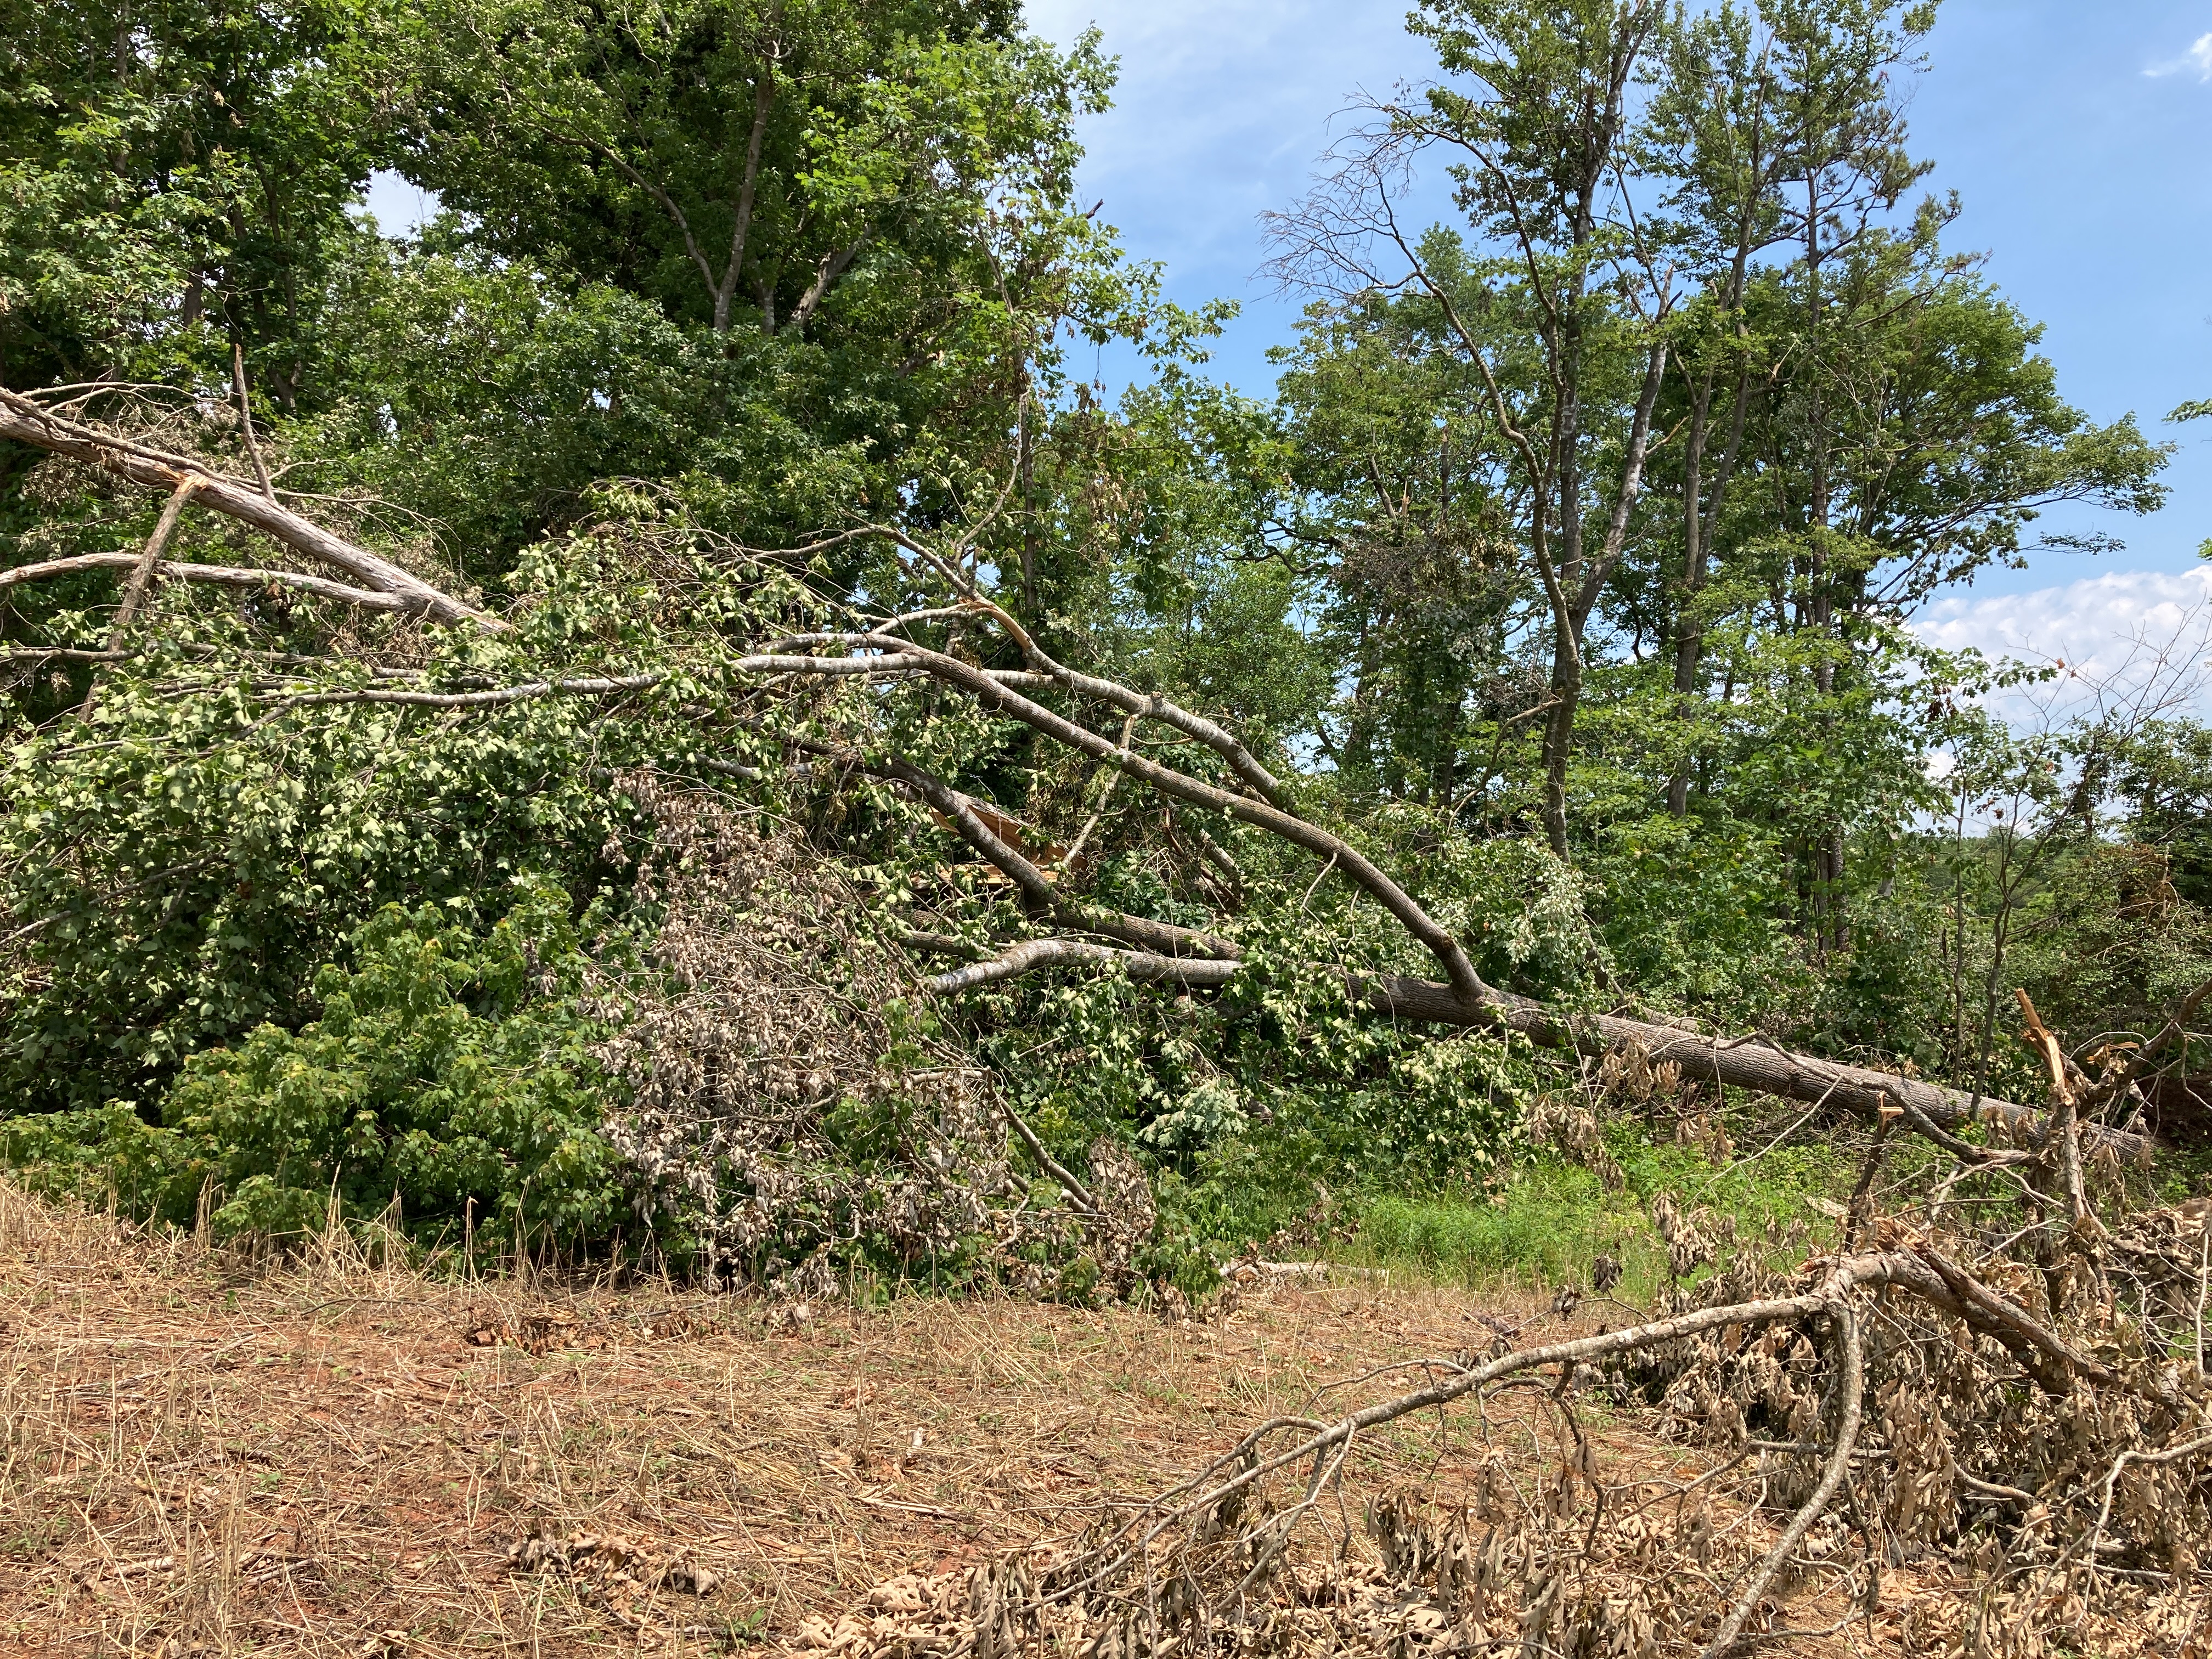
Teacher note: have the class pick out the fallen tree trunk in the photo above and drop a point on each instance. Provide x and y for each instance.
(25, 422)
(1164, 952)
(1747, 1062)
(1755, 1063)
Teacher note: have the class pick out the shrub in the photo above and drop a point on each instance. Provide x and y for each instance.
(448, 1076)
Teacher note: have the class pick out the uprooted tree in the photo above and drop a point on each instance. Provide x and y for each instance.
(2001, 1357)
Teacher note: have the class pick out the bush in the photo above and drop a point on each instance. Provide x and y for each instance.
(448, 1077)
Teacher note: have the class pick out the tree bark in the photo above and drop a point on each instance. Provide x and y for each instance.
(1698, 527)
(1582, 583)
(748, 192)
(219, 575)
(1753, 1063)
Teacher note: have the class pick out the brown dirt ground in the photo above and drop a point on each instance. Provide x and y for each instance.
(335, 1459)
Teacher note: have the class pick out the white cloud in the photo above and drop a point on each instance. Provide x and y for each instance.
(2122, 636)
(2093, 624)
(2198, 58)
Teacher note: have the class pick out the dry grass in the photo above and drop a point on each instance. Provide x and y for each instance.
(330, 1459)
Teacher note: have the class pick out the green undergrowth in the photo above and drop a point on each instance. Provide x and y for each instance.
(1544, 1223)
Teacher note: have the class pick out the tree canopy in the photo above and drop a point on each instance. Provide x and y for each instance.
(1563, 585)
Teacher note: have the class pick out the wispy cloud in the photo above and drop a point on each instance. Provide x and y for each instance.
(2196, 60)
(2092, 624)
(2124, 634)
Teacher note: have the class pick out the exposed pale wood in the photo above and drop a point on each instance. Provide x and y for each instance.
(25, 422)
(1036, 953)
(219, 575)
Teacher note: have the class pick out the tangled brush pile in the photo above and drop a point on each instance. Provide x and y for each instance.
(780, 1104)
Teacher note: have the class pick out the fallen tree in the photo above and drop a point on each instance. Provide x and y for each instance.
(1144, 947)
(1873, 1407)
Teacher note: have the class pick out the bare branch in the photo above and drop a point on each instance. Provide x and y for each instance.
(774, 663)
(1031, 954)
(220, 575)
(142, 573)
(831, 268)
(245, 418)
(135, 585)
(995, 697)
(1046, 1162)
(25, 422)
(1840, 1278)
(1852, 1383)
(1149, 707)
(1036, 889)
(492, 699)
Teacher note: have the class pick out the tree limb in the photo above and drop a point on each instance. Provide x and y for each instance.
(142, 571)
(1757, 1065)
(246, 419)
(1840, 1278)
(219, 575)
(492, 699)
(25, 422)
(1852, 1380)
(1466, 984)
(1038, 892)
(1076, 1189)
(1753, 1063)
(1029, 954)
(831, 268)
(1145, 706)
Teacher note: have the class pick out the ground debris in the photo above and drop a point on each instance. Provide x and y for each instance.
(612, 1561)
(1408, 1601)
(551, 1330)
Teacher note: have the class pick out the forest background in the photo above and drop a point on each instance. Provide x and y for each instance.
(1639, 402)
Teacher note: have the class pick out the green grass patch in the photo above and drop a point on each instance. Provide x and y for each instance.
(1545, 1223)
(1545, 1228)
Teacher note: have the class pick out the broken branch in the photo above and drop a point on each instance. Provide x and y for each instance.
(1034, 953)
(219, 575)
(25, 422)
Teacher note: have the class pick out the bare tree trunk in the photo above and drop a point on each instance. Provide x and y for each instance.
(1698, 526)
(1567, 692)
(763, 101)
(1582, 584)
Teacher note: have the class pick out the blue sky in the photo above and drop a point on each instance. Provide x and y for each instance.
(2076, 133)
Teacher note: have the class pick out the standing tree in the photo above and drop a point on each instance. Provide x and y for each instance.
(1566, 268)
